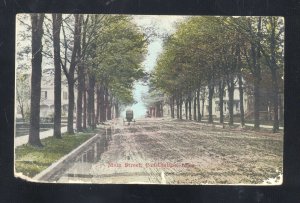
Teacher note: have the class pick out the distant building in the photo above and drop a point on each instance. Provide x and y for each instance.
(216, 101)
(47, 95)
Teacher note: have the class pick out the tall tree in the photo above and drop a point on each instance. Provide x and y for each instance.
(254, 63)
(240, 82)
(256, 57)
(81, 85)
(198, 106)
(70, 73)
(36, 74)
(221, 99)
(57, 20)
(251, 30)
(272, 51)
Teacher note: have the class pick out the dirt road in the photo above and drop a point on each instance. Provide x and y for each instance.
(161, 151)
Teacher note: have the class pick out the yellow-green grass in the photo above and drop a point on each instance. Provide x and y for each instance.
(32, 160)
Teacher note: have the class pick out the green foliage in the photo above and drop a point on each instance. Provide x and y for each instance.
(116, 54)
(204, 49)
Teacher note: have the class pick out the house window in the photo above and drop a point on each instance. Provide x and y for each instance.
(65, 95)
(43, 94)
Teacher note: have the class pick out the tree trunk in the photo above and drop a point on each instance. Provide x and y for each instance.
(79, 98)
(240, 80)
(102, 105)
(275, 101)
(117, 110)
(70, 74)
(256, 104)
(98, 104)
(80, 91)
(93, 112)
(198, 105)
(109, 110)
(80, 88)
(71, 98)
(257, 75)
(90, 108)
(241, 91)
(81, 121)
(253, 61)
(157, 109)
(190, 107)
(84, 104)
(172, 107)
(186, 109)
(195, 108)
(36, 74)
(203, 100)
(210, 96)
(273, 68)
(281, 114)
(180, 107)
(161, 109)
(221, 100)
(107, 104)
(112, 110)
(57, 20)
(230, 86)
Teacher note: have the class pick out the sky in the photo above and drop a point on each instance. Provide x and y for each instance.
(162, 25)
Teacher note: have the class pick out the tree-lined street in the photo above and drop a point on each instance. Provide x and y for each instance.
(210, 57)
(210, 99)
(173, 152)
(96, 57)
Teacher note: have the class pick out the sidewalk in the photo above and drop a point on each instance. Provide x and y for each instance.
(24, 139)
(246, 124)
(262, 126)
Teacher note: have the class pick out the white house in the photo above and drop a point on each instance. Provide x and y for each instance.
(47, 94)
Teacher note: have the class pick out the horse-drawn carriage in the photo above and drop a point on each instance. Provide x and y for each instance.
(128, 116)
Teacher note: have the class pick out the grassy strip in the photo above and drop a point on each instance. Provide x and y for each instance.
(31, 160)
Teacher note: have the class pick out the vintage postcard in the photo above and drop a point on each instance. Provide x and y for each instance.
(149, 99)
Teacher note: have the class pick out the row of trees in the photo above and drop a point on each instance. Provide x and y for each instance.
(209, 55)
(100, 56)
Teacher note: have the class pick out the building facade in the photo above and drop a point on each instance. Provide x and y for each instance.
(47, 95)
